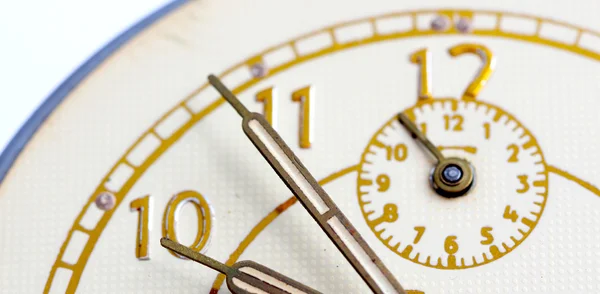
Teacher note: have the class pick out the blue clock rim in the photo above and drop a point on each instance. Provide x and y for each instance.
(35, 121)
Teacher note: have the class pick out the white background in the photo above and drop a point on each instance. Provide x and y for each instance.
(44, 41)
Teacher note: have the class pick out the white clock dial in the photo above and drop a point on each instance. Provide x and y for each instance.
(142, 147)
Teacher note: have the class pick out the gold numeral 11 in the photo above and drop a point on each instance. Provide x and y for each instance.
(305, 97)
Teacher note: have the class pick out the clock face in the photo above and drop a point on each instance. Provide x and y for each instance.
(505, 199)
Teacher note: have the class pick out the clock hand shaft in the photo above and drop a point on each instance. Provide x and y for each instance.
(240, 280)
(417, 134)
(312, 196)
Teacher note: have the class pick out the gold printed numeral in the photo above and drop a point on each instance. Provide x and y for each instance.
(486, 232)
(420, 232)
(424, 129)
(487, 130)
(398, 152)
(454, 122)
(514, 153)
(304, 97)
(450, 245)
(524, 184)
(485, 72)
(420, 58)
(142, 206)
(383, 181)
(268, 97)
(510, 214)
(204, 218)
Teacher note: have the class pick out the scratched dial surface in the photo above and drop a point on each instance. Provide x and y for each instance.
(143, 148)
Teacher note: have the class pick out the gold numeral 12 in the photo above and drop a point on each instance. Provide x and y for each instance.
(421, 57)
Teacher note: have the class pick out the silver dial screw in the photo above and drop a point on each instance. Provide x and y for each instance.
(105, 201)
(440, 23)
(464, 25)
(258, 70)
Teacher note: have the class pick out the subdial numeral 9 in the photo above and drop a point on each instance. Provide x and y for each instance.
(383, 181)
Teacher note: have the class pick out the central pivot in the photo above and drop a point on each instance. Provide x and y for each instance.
(452, 174)
(452, 177)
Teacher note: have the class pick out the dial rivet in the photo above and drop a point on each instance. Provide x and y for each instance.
(105, 201)
(464, 25)
(258, 70)
(440, 23)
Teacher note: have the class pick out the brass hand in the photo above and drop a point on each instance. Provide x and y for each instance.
(451, 177)
(312, 196)
(417, 134)
(241, 281)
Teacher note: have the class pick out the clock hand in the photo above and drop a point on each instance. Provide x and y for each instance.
(451, 177)
(244, 277)
(312, 196)
(417, 134)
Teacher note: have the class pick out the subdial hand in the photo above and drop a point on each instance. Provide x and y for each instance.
(451, 177)
(312, 196)
(244, 277)
(417, 134)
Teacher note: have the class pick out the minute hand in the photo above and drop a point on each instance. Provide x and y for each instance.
(312, 196)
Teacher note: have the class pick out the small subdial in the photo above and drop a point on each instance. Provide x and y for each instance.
(400, 203)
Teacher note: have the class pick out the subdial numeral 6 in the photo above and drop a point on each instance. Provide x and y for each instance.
(450, 245)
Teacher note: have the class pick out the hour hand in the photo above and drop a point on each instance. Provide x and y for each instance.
(244, 277)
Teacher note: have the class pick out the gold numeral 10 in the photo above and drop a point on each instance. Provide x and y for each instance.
(143, 206)
(304, 96)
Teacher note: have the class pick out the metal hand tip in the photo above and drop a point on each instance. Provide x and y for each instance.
(228, 95)
(417, 134)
